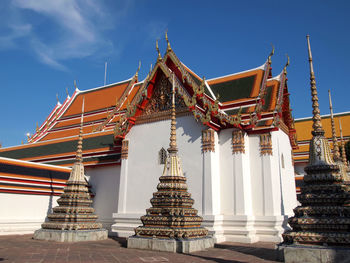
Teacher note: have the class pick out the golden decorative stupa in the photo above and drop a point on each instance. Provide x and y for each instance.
(73, 219)
(171, 224)
(323, 218)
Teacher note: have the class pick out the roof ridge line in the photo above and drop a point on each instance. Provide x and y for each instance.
(34, 163)
(324, 115)
(105, 86)
(262, 67)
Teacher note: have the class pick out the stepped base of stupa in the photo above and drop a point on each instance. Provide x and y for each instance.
(313, 254)
(171, 244)
(70, 235)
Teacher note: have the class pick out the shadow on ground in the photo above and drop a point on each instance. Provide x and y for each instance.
(218, 260)
(121, 240)
(263, 253)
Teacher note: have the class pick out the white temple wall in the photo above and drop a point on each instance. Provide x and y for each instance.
(141, 176)
(288, 190)
(238, 194)
(105, 182)
(144, 170)
(22, 214)
(257, 191)
(273, 187)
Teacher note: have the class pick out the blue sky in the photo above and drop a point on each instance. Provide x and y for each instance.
(45, 45)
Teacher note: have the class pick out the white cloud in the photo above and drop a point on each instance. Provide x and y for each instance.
(16, 32)
(58, 30)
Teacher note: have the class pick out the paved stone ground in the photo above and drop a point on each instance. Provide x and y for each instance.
(22, 248)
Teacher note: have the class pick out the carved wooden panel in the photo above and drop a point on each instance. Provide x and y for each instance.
(208, 141)
(238, 142)
(125, 149)
(265, 144)
(161, 98)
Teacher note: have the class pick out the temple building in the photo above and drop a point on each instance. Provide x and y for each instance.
(236, 135)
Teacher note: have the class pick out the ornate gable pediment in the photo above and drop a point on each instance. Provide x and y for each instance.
(159, 104)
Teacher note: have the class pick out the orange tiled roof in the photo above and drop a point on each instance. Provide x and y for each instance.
(303, 128)
(105, 106)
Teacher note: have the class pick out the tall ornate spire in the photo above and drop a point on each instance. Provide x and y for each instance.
(171, 216)
(322, 218)
(172, 145)
(74, 212)
(336, 155)
(342, 143)
(79, 155)
(316, 118)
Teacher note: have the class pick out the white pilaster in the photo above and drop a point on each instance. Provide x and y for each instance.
(211, 186)
(239, 226)
(269, 226)
(123, 186)
(242, 181)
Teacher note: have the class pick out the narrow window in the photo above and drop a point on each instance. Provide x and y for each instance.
(162, 156)
(282, 160)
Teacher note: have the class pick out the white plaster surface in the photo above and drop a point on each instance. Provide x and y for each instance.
(24, 213)
(242, 197)
(143, 173)
(105, 184)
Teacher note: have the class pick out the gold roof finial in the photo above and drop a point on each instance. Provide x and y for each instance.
(138, 69)
(75, 85)
(287, 64)
(150, 71)
(167, 40)
(343, 152)
(37, 127)
(316, 118)
(271, 53)
(57, 98)
(157, 48)
(336, 154)
(79, 155)
(172, 145)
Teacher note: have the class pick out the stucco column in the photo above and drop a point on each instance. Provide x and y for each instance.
(123, 177)
(241, 174)
(273, 220)
(211, 173)
(271, 180)
(239, 226)
(124, 223)
(211, 184)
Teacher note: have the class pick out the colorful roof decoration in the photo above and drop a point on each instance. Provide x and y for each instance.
(252, 100)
